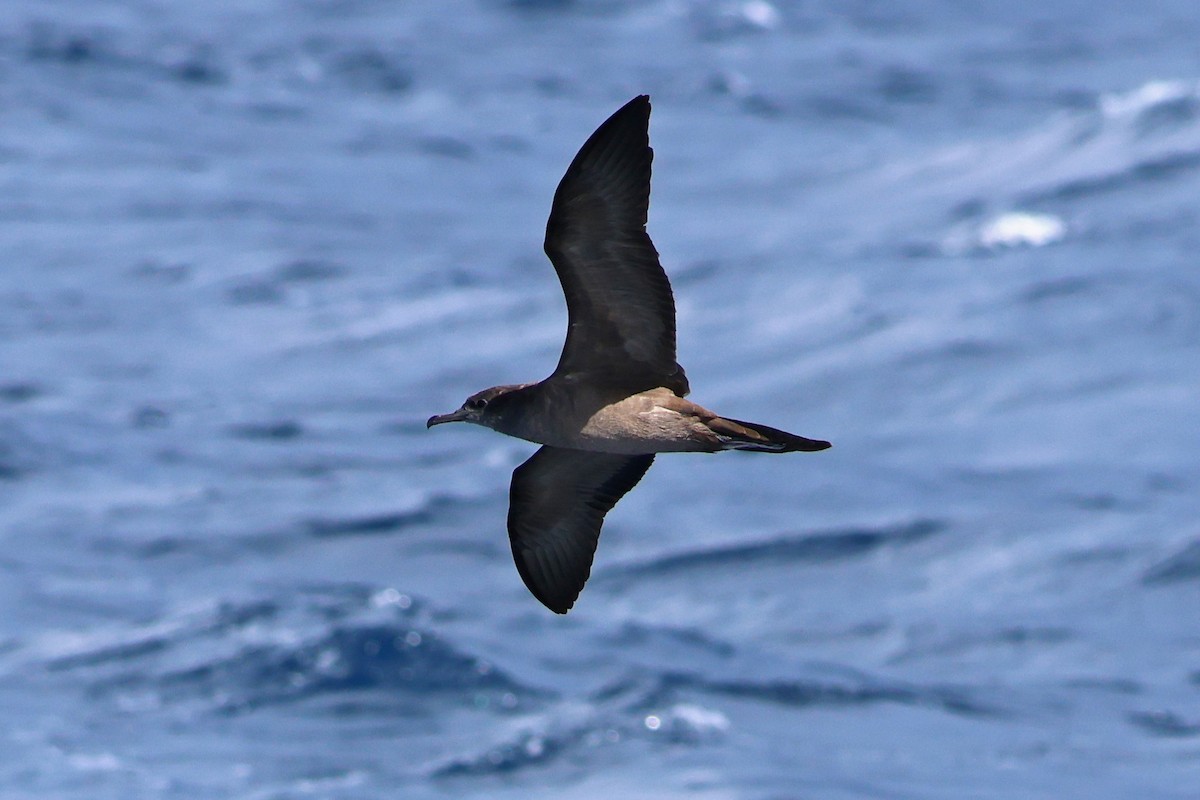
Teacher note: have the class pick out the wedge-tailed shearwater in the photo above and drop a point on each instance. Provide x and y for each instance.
(617, 395)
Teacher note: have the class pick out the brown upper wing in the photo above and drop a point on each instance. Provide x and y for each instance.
(557, 504)
(621, 313)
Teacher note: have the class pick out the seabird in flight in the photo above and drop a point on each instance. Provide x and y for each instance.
(617, 396)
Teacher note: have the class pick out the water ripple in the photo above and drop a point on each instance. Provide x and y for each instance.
(814, 547)
(238, 656)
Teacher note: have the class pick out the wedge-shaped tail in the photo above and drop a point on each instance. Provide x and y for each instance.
(739, 435)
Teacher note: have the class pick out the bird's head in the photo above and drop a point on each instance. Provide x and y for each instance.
(482, 408)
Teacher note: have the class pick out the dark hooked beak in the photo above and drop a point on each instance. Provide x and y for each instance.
(453, 416)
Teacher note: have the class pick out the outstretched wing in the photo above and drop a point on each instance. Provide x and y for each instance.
(557, 504)
(621, 313)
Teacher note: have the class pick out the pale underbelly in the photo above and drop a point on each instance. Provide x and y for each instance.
(637, 425)
(632, 445)
(657, 431)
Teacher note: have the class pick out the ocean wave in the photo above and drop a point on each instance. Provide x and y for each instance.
(81, 46)
(1008, 230)
(228, 540)
(1000, 194)
(569, 729)
(410, 662)
(236, 656)
(827, 690)
(1184, 565)
(809, 546)
(357, 65)
(20, 454)
(1165, 724)
(1147, 134)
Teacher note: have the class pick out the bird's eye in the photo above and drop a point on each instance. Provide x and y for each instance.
(476, 403)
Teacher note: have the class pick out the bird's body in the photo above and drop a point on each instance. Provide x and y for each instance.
(655, 421)
(617, 396)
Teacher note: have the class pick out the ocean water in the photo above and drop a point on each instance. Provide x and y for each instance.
(247, 248)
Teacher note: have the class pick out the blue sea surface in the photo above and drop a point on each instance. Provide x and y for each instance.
(247, 248)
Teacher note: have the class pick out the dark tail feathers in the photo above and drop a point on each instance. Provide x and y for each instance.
(761, 439)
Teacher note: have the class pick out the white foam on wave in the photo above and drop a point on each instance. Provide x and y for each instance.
(1147, 97)
(760, 13)
(1011, 229)
(94, 762)
(698, 718)
(1129, 138)
(1018, 228)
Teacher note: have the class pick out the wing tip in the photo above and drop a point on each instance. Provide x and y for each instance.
(559, 609)
(636, 109)
(639, 104)
(541, 585)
